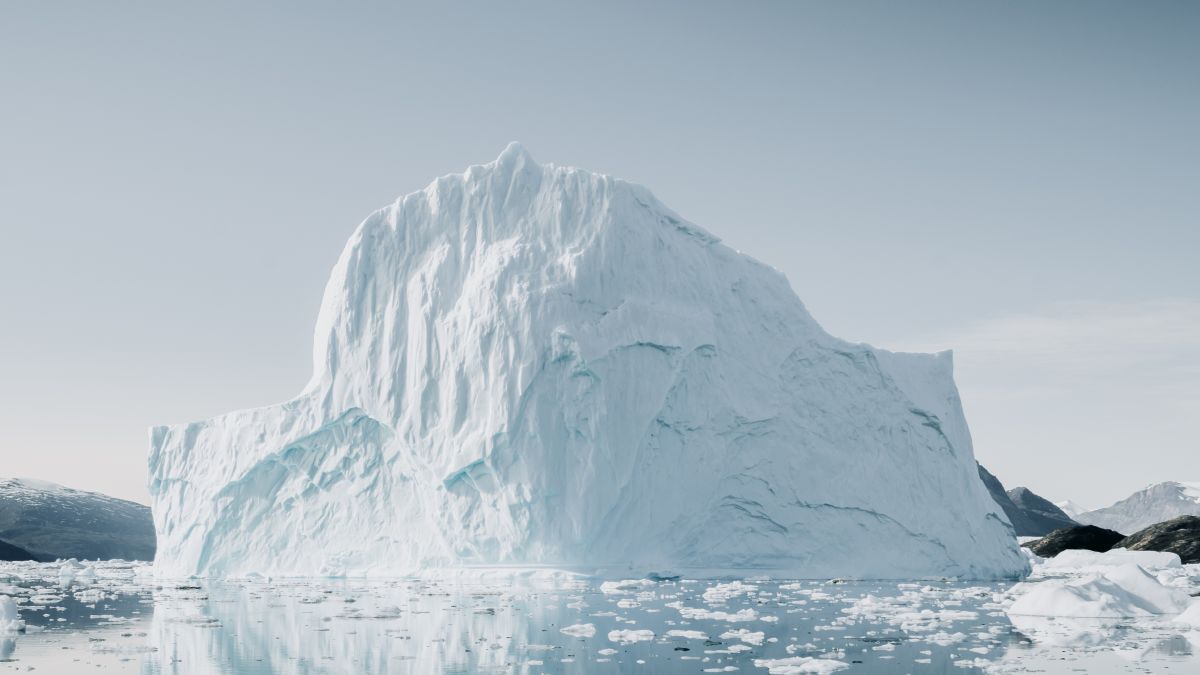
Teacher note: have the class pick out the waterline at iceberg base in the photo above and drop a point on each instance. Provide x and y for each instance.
(531, 365)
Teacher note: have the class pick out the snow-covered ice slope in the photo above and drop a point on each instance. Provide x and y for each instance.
(538, 365)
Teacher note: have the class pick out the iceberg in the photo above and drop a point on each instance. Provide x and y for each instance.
(528, 365)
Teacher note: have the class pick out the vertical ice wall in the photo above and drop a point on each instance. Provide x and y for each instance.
(529, 364)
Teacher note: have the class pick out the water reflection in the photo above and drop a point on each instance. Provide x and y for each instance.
(118, 619)
(354, 627)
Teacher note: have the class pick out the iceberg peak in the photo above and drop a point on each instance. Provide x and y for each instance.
(514, 153)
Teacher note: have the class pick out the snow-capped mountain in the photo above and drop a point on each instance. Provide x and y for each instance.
(1159, 502)
(50, 521)
(538, 365)
(1071, 508)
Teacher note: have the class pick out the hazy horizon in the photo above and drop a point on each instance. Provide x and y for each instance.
(1014, 182)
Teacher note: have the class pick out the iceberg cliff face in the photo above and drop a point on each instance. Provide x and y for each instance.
(537, 365)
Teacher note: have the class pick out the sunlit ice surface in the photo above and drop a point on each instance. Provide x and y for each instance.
(117, 617)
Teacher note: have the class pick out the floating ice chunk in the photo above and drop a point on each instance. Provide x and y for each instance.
(688, 634)
(723, 592)
(45, 599)
(736, 649)
(624, 585)
(749, 637)
(699, 613)
(944, 639)
(797, 665)
(1122, 591)
(586, 630)
(10, 622)
(627, 637)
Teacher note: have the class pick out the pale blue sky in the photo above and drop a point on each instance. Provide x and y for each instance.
(1018, 181)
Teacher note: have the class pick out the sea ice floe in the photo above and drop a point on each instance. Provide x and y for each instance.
(687, 634)
(749, 637)
(721, 593)
(630, 636)
(580, 630)
(699, 613)
(798, 665)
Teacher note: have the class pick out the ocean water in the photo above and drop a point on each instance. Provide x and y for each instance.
(115, 617)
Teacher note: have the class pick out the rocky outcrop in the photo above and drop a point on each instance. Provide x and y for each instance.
(1180, 536)
(1087, 537)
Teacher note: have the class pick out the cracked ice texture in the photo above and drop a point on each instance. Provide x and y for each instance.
(538, 365)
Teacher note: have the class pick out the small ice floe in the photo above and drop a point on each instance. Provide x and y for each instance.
(699, 613)
(722, 593)
(628, 637)
(583, 630)
(687, 634)
(798, 665)
(44, 599)
(625, 586)
(749, 637)
(944, 639)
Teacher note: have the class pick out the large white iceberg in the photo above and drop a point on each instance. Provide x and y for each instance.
(534, 365)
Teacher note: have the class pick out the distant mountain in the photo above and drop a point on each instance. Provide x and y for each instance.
(1045, 516)
(1031, 515)
(1155, 504)
(1071, 508)
(49, 521)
